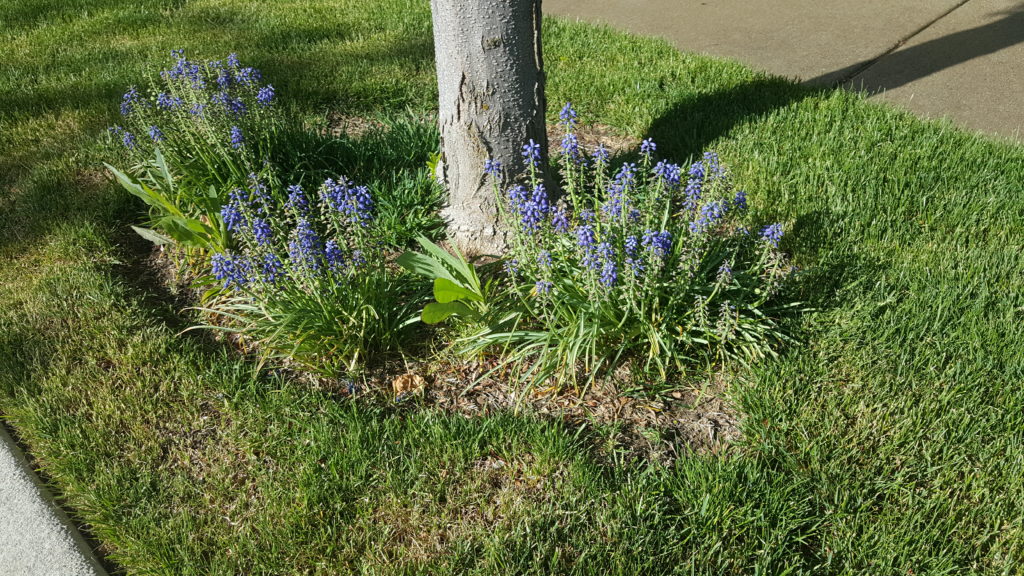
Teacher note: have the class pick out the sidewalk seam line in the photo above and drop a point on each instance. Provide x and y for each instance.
(899, 44)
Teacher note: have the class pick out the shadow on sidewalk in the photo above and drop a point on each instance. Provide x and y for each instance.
(912, 63)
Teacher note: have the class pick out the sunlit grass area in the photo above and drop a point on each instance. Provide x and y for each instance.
(891, 440)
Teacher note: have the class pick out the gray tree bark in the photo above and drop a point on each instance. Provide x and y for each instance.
(490, 78)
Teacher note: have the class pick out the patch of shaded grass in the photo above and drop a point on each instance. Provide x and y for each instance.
(889, 442)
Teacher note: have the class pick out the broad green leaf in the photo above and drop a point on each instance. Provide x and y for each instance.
(423, 265)
(447, 291)
(436, 312)
(153, 236)
(130, 185)
(455, 265)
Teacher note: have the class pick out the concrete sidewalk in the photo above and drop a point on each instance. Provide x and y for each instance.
(963, 59)
(36, 537)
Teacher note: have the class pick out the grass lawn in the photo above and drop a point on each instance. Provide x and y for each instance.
(890, 442)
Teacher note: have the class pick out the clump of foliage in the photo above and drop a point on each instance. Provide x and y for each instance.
(308, 280)
(647, 264)
(213, 124)
(303, 276)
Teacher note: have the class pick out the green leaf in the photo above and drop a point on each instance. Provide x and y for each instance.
(153, 236)
(436, 312)
(447, 291)
(136, 189)
(455, 265)
(423, 265)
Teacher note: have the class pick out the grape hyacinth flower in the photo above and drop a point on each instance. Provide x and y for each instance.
(230, 270)
(129, 100)
(271, 268)
(544, 259)
(669, 174)
(585, 237)
(772, 234)
(266, 95)
(571, 148)
(531, 153)
(710, 214)
(511, 268)
(231, 213)
(659, 243)
(516, 198)
(334, 255)
(560, 220)
(647, 148)
(492, 167)
(235, 106)
(740, 200)
(568, 116)
(165, 101)
(297, 199)
(305, 250)
(261, 231)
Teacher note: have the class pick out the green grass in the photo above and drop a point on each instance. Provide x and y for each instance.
(891, 441)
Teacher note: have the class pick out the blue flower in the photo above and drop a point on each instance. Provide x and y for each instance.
(772, 234)
(167, 102)
(560, 220)
(352, 201)
(235, 106)
(631, 244)
(568, 115)
(636, 265)
(232, 214)
(237, 139)
(224, 78)
(586, 238)
(248, 76)
(659, 243)
(511, 267)
(710, 214)
(533, 211)
(305, 249)
(261, 231)
(609, 274)
(128, 139)
(129, 100)
(155, 134)
(543, 286)
(335, 256)
(357, 259)
(670, 174)
(297, 199)
(197, 109)
(544, 259)
(230, 269)
(266, 95)
(492, 167)
(516, 198)
(571, 148)
(740, 201)
(531, 153)
(601, 154)
(647, 147)
(233, 60)
(271, 268)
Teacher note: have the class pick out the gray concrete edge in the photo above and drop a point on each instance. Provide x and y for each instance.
(81, 544)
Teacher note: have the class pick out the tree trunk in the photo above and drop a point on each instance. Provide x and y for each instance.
(490, 79)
